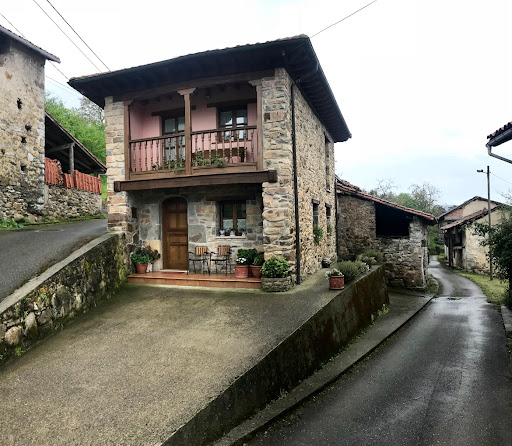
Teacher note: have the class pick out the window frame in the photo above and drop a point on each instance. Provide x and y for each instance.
(234, 125)
(235, 216)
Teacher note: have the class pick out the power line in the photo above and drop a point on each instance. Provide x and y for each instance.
(344, 18)
(494, 175)
(17, 30)
(72, 29)
(77, 47)
(58, 69)
(64, 86)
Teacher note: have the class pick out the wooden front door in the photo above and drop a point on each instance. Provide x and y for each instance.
(175, 233)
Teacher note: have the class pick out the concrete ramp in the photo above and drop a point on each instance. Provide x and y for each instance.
(157, 365)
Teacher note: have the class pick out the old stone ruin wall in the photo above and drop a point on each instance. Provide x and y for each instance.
(63, 202)
(406, 258)
(356, 226)
(21, 133)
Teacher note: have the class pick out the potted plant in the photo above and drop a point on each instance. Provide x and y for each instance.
(257, 263)
(336, 279)
(241, 268)
(275, 275)
(222, 232)
(142, 256)
(140, 261)
(227, 231)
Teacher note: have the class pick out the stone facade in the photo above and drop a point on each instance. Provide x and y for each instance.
(356, 226)
(21, 132)
(70, 290)
(271, 206)
(278, 198)
(406, 257)
(202, 214)
(63, 202)
(314, 149)
(315, 174)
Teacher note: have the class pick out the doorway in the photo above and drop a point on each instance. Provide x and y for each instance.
(175, 233)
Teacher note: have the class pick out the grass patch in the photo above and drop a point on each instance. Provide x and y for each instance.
(433, 287)
(103, 187)
(495, 289)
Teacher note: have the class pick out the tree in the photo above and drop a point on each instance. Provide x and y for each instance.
(499, 239)
(85, 123)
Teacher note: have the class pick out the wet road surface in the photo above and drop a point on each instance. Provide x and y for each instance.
(444, 379)
(25, 254)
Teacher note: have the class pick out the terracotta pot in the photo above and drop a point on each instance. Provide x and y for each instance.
(336, 282)
(241, 271)
(256, 271)
(141, 267)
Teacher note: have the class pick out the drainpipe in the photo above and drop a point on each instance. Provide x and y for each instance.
(489, 151)
(296, 189)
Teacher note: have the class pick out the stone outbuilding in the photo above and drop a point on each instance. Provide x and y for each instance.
(28, 135)
(400, 233)
(226, 147)
(462, 245)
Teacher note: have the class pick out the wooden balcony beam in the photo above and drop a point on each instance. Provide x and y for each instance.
(196, 83)
(257, 177)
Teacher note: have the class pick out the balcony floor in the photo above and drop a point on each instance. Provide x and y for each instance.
(181, 278)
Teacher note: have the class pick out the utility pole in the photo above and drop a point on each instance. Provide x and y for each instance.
(489, 213)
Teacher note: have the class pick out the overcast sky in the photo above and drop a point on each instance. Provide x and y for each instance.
(421, 83)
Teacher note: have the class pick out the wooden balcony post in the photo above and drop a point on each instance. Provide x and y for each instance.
(72, 159)
(188, 129)
(127, 152)
(259, 123)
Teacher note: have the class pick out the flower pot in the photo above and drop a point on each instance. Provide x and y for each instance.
(141, 267)
(241, 271)
(256, 271)
(336, 282)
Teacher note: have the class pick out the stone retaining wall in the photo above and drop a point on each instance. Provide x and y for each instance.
(61, 293)
(292, 360)
(63, 202)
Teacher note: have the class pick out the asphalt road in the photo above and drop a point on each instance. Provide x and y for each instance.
(24, 254)
(444, 379)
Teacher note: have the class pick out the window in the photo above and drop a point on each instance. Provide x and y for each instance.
(328, 214)
(315, 212)
(327, 165)
(233, 216)
(232, 118)
(174, 127)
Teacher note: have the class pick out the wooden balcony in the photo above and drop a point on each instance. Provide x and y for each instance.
(211, 152)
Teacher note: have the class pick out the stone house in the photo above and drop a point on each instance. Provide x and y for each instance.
(463, 249)
(28, 135)
(364, 220)
(238, 141)
(469, 207)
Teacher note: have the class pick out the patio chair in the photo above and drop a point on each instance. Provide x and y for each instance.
(223, 256)
(201, 255)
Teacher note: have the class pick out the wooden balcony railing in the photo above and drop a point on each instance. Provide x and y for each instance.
(210, 148)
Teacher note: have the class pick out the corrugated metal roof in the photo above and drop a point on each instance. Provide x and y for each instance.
(28, 44)
(296, 54)
(343, 186)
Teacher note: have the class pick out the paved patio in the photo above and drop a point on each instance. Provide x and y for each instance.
(138, 366)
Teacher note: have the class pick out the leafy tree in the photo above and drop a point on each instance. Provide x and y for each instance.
(499, 239)
(85, 123)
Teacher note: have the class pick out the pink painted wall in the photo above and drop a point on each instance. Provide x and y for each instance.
(144, 125)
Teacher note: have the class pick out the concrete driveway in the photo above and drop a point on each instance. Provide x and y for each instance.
(444, 379)
(28, 252)
(135, 368)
